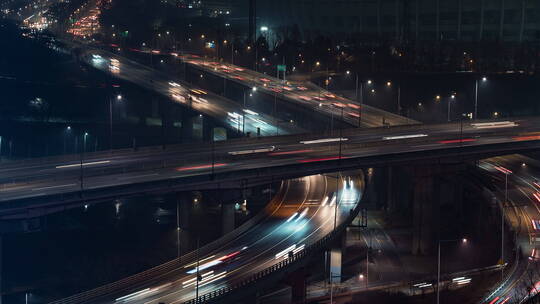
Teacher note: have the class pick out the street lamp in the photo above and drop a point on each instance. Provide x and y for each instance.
(484, 79)
(360, 95)
(253, 90)
(463, 241)
(82, 157)
(66, 132)
(452, 97)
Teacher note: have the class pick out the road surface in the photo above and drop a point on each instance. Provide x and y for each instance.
(227, 111)
(523, 215)
(303, 93)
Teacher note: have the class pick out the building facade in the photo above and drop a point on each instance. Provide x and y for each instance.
(420, 20)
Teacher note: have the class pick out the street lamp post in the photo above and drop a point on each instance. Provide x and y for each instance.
(253, 89)
(359, 95)
(275, 112)
(110, 123)
(82, 157)
(452, 97)
(332, 286)
(502, 219)
(399, 99)
(213, 151)
(367, 258)
(464, 240)
(340, 133)
(68, 128)
(244, 116)
(198, 275)
(178, 252)
(484, 79)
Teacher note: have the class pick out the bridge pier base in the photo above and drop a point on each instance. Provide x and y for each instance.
(424, 209)
(207, 127)
(297, 281)
(334, 259)
(187, 127)
(227, 217)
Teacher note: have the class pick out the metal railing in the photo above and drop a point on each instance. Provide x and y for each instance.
(308, 251)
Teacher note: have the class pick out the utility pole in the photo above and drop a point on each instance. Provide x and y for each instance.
(399, 99)
(244, 115)
(476, 99)
(110, 123)
(198, 275)
(438, 271)
(213, 152)
(502, 222)
(367, 259)
(178, 252)
(82, 157)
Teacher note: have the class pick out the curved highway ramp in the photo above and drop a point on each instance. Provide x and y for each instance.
(298, 221)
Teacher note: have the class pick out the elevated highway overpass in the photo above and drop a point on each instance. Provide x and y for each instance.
(305, 215)
(30, 186)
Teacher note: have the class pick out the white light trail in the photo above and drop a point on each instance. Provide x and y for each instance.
(84, 164)
(404, 136)
(285, 251)
(324, 140)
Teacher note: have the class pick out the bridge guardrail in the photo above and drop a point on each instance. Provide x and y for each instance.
(136, 280)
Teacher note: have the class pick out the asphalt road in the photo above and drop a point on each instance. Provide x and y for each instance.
(522, 213)
(303, 215)
(304, 93)
(44, 176)
(228, 111)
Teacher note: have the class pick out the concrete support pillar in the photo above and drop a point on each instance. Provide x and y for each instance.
(334, 260)
(185, 225)
(197, 127)
(227, 218)
(297, 281)
(187, 125)
(206, 129)
(425, 204)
